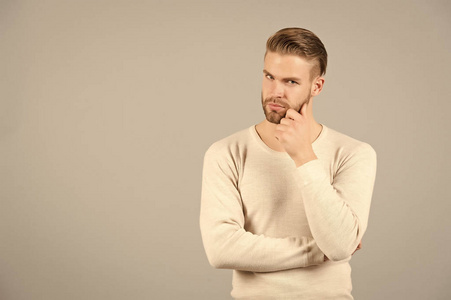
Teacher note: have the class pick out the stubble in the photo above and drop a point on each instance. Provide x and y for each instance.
(274, 116)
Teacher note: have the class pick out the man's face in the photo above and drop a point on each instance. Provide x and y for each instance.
(286, 84)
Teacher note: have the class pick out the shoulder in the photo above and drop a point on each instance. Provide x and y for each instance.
(231, 145)
(347, 146)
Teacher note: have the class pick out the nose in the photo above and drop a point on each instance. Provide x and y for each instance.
(277, 89)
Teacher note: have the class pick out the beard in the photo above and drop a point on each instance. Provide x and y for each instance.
(275, 116)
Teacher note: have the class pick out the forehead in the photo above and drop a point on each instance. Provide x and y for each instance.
(287, 65)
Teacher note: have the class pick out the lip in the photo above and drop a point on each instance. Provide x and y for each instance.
(275, 106)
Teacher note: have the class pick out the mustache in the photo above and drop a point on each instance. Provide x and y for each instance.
(276, 101)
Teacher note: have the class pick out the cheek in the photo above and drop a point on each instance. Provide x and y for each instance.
(296, 99)
(265, 91)
(302, 95)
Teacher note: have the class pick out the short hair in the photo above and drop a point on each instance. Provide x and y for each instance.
(300, 42)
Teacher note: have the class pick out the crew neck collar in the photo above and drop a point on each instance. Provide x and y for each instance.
(262, 144)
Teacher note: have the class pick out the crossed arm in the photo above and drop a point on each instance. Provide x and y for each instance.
(338, 213)
(228, 245)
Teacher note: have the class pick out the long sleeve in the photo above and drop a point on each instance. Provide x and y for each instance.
(227, 244)
(337, 213)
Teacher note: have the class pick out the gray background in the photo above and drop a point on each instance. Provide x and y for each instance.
(107, 107)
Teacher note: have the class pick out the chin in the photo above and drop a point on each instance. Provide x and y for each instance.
(273, 117)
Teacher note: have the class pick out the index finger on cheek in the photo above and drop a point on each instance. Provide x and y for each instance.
(291, 114)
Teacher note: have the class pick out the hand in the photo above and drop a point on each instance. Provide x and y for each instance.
(294, 133)
(358, 248)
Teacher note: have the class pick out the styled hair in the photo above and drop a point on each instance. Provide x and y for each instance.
(300, 42)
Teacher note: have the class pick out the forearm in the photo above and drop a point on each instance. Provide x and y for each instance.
(338, 213)
(334, 226)
(228, 248)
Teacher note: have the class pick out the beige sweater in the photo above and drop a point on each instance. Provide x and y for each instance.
(272, 223)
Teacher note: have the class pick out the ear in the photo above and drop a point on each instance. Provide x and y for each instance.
(317, 86)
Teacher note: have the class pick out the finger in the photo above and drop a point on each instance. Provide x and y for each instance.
(279, 135)
(281, 127)
(286, 121)
(292, 114)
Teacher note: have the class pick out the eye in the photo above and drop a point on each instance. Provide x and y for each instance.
(269, 77)
(292, 82)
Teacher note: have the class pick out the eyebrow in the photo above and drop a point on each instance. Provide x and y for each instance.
(285, 79)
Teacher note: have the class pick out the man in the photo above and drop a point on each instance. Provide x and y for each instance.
(285, 203)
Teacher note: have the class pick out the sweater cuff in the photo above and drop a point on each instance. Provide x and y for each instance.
(316, 257)
(312, 171)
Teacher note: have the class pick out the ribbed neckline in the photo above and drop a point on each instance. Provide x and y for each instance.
(254, 133)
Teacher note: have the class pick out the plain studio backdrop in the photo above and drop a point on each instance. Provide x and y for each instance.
(107, 108)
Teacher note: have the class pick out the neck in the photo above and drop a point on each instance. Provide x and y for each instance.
(266, 130)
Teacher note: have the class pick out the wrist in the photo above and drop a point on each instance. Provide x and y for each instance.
(304, 158)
